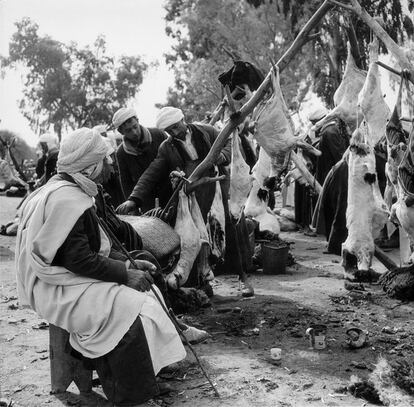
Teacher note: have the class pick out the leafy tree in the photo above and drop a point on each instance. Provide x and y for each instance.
(259, 31)
(69, 86)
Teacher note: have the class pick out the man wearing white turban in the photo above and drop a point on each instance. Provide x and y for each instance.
(138, 149)
(66, 273)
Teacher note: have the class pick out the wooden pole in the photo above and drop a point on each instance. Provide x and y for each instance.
(236, 119)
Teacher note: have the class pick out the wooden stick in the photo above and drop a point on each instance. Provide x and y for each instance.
(384, 259)
(388, 68)
(247, 108)
(230, 100)
(218, 112)
(305, 172)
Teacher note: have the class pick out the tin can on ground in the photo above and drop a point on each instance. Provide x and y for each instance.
(317, 336)
(276, 354)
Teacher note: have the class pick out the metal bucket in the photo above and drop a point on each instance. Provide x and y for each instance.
(274, 258)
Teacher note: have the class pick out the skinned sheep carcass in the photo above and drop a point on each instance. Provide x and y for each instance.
(346, 96)
(216, 222)
(396, 143)
(190, 243)
(403, 209)
(275, 131)
(366, 212)
(240, 180)
(257, 202)
(204, 271)
(371, 101)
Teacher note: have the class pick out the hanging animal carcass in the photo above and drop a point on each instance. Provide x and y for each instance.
(346, 96)
(257, 202)
(366, 212)
(275, 131)
(190, 243)
(216, 222)
(371, 101)
(240, 180)
(204, 271)
(403, 209)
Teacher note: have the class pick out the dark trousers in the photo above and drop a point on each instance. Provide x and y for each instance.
(126, 373)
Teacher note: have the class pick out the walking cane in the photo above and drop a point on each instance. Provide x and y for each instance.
(169, 312)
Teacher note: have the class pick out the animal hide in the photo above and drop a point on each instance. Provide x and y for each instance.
(240, 179)
(216, 222)
(403, 209)
(274, 129)
(189, 241)
(366, 212)
(203, 265)
(371, 101)
(346, 96)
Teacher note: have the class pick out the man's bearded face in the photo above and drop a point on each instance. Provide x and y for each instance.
(177, 130)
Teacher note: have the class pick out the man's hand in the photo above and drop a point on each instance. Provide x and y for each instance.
(176, 177)
(126, 207)
(143, 265)
(139, 280)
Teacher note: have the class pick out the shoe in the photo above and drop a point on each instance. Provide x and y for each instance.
(195, 335)
(246, 289)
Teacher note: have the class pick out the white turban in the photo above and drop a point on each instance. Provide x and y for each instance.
(50, 139)
(81, 156)
(168, 116)
(122, 115)
(318, 113)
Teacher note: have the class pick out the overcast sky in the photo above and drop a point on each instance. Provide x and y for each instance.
(131, 27)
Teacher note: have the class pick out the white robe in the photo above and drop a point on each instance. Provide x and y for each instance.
(96, 314)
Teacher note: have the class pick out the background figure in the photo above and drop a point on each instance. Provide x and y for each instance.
(138, 149)
(112, 184)
(332, 139)
(46, 165)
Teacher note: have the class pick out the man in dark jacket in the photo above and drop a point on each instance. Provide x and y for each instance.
(138, 149)
(187, 146)
(333, 141)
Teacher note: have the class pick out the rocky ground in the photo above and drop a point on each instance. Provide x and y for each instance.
(243, 331)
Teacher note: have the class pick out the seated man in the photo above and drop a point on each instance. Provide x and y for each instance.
(65, 274)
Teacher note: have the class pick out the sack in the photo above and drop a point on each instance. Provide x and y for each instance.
(159, 238)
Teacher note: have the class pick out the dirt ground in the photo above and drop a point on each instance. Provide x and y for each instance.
(243, 330)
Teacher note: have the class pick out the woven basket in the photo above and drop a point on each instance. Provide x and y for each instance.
(158, 237)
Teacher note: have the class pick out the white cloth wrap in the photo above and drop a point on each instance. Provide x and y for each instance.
(122, 115)
(168, 116)
(97, 314)
(50, 139)
(81, 154)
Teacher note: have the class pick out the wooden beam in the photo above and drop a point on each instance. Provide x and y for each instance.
(247, 108)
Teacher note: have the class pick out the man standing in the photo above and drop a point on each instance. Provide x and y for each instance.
(138, 149)
(332, 141)
(46, 166)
